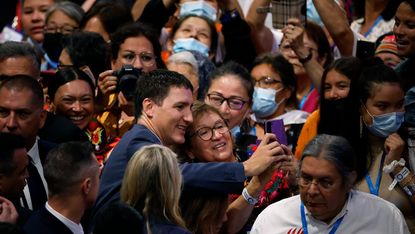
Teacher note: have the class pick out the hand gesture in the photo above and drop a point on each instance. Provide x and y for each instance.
(8, 213)
(394, 146)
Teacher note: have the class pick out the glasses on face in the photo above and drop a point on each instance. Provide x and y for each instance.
(206, 133)
(235, 103)
(305, 181)
(146, 59)
(65, 29)
(266, 81)
(64, 66)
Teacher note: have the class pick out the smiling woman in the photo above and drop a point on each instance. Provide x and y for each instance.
(72, 95)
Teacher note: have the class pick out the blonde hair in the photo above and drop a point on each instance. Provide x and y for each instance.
(152, 184)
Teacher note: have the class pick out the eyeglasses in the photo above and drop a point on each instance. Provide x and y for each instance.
(266, 81)
(146, 59)
(64, 29)
(235, 103)
(206, 133)
(306, 181)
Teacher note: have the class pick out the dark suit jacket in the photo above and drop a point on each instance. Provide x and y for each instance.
(44, 147)
(43, 222)
(223, 177)
(59, 129)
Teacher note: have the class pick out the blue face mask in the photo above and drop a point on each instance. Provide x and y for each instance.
(312, 13)
(264, 103)
(386, 124)
(200, 8)
(186, 44)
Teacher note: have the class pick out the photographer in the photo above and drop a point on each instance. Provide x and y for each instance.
(136, 46)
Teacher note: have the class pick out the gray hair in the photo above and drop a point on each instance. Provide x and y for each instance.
(185, 57)
(13, 49)
(72, 10)
(335, 149)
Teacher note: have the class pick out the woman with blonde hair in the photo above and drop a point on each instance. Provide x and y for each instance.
(152, 185)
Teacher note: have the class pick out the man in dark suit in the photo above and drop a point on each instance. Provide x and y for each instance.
(19, 58)
(13, 175)
(21, 113)
(162, 109)
(72, 173)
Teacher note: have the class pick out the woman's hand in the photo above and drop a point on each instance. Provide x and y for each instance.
(267, 153)
(394, 146)
(107, 83)
(290, 167)
(294, 36)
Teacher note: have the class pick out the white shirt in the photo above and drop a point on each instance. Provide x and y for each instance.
(34, 155)
(76, 228)
(363, 213)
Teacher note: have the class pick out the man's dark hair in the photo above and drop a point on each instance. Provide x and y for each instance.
(9, 143)
(156, 85)
(13, 49)
(20, 82)
(67, 165)
(136, 30)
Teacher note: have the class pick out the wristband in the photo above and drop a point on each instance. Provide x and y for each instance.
(399, 177)
(389, 168)
(306, 58)
(248, 198)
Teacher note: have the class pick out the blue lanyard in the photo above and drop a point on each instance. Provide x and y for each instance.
(304, 222)
(304, 99)
(375, 190)
(374, 25)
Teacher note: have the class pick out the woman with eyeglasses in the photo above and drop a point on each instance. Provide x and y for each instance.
(208, 139)
(137, 47)
(275, 97)
(62, 18)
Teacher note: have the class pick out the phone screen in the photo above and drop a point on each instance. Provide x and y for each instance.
(365, 49)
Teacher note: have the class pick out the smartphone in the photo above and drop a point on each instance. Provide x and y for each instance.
(277, 127)
(365, 49)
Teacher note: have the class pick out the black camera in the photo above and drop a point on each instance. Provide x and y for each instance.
(127, 79)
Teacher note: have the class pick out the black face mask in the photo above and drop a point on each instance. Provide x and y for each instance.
(52, 44)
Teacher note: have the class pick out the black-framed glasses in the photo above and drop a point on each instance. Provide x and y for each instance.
(235, 103)
(266, 81)
(206, 133)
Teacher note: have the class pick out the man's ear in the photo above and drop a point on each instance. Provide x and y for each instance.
(86, 186)
(43, 116)
(148, 107)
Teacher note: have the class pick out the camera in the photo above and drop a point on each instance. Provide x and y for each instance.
(127, 79)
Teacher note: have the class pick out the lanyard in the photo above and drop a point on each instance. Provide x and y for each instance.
(374, 25)
(304, 99)
(304, 222)
(375, 190)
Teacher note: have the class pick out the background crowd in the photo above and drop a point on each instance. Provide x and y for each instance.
(207, 116)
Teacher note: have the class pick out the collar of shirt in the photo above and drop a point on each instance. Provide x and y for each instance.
(74, 227)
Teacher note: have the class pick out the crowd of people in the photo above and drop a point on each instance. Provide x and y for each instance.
(197, 116)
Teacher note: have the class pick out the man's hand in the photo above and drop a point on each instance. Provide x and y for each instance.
(8, 213)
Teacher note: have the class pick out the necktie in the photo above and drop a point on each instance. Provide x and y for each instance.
(36, 187)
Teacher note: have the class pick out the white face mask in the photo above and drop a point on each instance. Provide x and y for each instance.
(200, 8)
